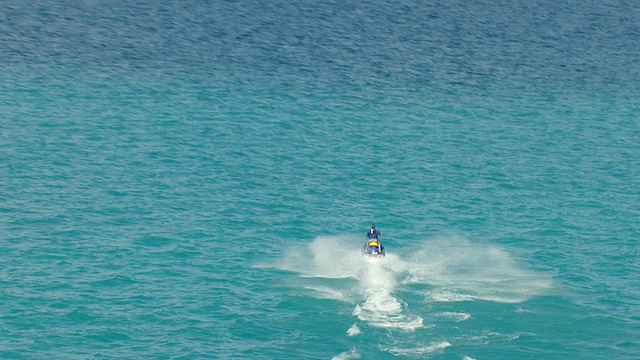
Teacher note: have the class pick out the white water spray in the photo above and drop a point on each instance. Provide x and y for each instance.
(377, 280)
(444, 270)
(458, 270)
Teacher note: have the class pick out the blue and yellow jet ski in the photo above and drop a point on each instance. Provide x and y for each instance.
(373, 248)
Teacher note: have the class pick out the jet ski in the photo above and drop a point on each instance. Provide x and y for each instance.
(373, 248)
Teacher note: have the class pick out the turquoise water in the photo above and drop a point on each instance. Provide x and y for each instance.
(194, 180)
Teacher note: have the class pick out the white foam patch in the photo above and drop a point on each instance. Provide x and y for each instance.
(468, 358)
(455, 316)
(509, 337)
(351, 354)
(445, 296)
(419, 350)
(353, 330)
(325, 292)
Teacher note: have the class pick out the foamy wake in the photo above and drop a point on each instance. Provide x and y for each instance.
(420, 350)
(453, 270)
(458, 270)
(380, 307)
(325, 292)
(339, 257)
(454, 316)
(351, 354)
(353, 330)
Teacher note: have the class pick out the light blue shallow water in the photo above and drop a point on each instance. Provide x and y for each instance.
(193, 180)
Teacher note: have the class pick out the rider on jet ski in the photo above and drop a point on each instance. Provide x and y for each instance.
(374, 238)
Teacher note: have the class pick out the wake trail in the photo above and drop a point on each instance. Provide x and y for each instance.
(381, 307)
(377, 280)
(447, 269)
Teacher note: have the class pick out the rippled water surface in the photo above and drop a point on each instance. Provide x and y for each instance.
(194, 180)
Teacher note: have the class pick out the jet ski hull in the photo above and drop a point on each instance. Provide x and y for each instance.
(373, 251)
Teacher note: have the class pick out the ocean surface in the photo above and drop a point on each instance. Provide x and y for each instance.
(194, 179)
